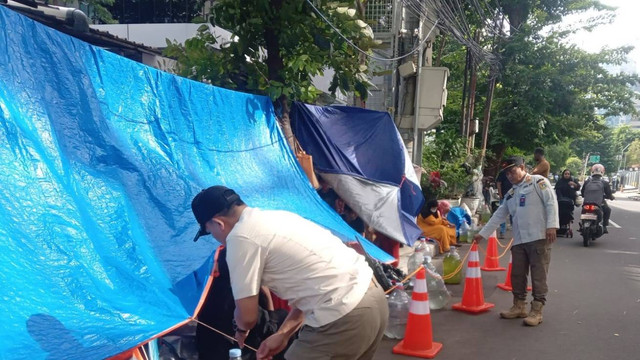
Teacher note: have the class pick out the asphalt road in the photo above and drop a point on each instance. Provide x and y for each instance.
(592, 311)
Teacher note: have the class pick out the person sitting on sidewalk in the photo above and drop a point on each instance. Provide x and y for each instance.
(435, 226)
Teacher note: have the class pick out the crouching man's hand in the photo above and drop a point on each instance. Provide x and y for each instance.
(271, 346)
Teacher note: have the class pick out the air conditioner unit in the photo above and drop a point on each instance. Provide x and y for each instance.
(407, 69)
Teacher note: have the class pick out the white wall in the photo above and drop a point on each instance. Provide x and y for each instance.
(155, 35)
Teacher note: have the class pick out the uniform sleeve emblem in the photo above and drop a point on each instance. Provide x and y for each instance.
(542, 184)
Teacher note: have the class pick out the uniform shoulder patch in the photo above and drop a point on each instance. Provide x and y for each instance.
(542, 184)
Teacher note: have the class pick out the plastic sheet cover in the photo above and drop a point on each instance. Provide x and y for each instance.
(99, 160)
(361, 154)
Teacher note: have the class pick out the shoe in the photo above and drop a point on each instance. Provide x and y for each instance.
(518, 310)
(604, 230)
(534, 317)
(500, 236)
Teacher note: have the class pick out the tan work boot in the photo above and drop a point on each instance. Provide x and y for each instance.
(535, 315)
(518, 310)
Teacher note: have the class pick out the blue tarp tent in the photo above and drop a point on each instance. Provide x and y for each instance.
(359, 152)
(99, 160)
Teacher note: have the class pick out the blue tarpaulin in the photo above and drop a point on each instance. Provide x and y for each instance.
(99, 159)
(360, 153)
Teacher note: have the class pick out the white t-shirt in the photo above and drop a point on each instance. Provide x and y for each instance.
(298, 260)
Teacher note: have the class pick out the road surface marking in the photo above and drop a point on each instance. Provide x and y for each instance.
(614, 224)
(622, 252)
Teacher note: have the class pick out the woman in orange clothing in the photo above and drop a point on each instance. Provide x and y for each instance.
(433, 225)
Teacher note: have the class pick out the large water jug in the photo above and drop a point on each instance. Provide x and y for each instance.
(450, 263)
(439, 296)
(417, 258)
(398, 313)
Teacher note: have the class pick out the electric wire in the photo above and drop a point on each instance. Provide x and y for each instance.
(426, 38)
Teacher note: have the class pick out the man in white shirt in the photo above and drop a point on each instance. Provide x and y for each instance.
(532, 204)
(330, 288)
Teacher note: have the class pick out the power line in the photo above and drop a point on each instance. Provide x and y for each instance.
(363, 51)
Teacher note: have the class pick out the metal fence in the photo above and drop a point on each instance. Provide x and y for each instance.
(630, 179)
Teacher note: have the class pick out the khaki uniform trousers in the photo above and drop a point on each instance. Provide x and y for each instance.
(355, 336)
(534, 256)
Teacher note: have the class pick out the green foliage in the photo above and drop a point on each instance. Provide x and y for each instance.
(98, 10)
(633, 154)
(557, 155)
(445, 152)
(278, 47)
(549, 93)
(575, 165)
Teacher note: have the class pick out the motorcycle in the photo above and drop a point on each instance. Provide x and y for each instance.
(590, 223)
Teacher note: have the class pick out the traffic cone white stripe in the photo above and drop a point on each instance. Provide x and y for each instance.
(420, 286)
(419, 307)
(474, 256)
(473, 272)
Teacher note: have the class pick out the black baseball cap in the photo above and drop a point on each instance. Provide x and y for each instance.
(512, 161)
(208, 203)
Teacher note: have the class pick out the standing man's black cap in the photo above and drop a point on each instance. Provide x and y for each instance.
(209, 202)
(511, 162)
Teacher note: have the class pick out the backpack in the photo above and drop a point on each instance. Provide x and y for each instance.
(593, 191)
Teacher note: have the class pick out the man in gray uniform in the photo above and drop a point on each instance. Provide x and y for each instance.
(533, 206)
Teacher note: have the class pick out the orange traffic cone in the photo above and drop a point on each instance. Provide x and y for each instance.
(491, 262)
(473, 296)
(418, 338)
(506, 285)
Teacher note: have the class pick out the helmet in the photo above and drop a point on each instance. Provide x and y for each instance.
(597, 169)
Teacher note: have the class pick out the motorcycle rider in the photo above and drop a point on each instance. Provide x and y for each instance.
(595, 190)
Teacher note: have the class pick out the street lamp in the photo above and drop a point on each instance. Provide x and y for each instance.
(622, 155)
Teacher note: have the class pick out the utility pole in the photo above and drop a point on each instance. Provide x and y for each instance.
(463, 109)
(487, 117)
(417, 148)
(584, 169)
(472, 97)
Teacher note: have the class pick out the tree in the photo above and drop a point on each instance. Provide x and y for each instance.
(278, 47)
(633, 154)
(155, 11)
(557, 155)
(574, 165)
(97, 10)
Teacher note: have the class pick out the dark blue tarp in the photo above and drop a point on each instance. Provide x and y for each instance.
(359, 151)
(99, 160)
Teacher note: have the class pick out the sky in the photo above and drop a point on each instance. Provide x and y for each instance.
(625, 30)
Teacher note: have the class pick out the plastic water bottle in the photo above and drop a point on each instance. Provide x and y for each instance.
(439, 296)
(235, 354)
(464, 232)
(417, 258)
(485, 215)
(398, 313)
(450, 263)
